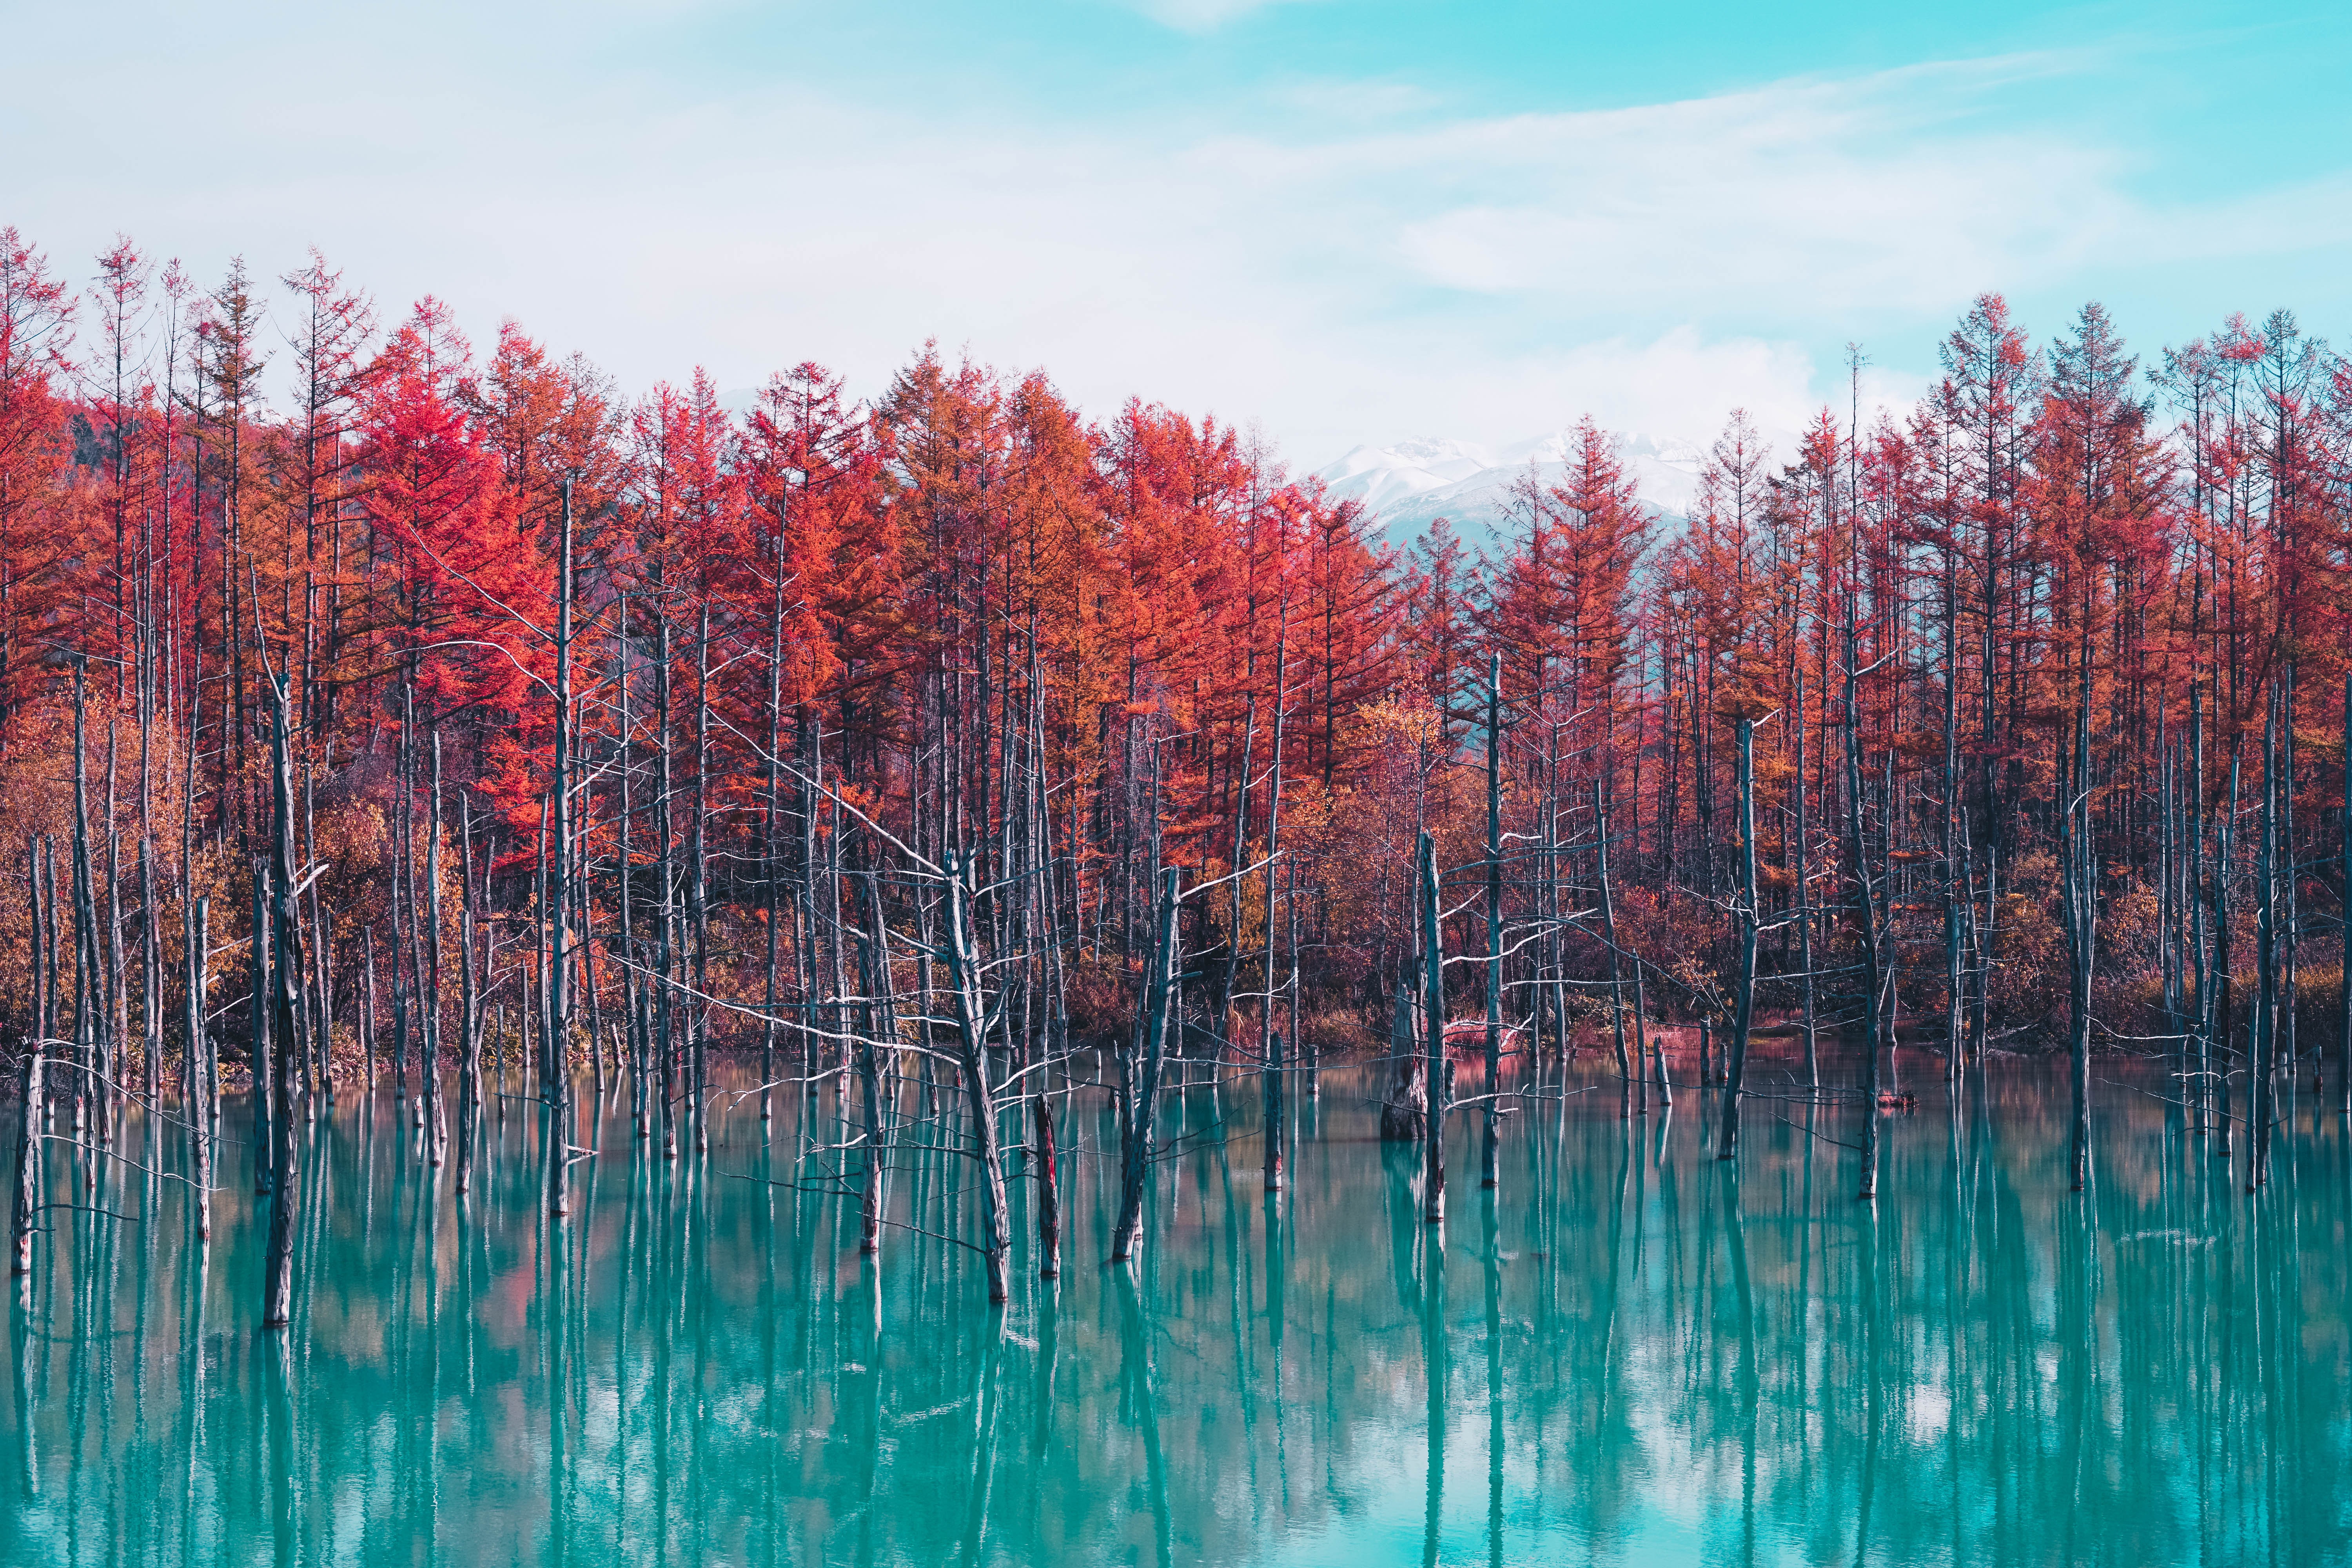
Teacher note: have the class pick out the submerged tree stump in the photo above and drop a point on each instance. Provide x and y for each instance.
(1404, 1111)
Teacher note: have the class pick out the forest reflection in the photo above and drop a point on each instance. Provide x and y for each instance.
(1628, 1353)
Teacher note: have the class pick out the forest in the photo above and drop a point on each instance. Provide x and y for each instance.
(384, 715)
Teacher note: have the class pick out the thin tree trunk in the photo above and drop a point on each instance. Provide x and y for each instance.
(556, 1079)
(198, 1103)
(258, 1054)
(1628, 1076)
(1139, 1069)
(2261, 1102)
(436, 1120)
(2344, 1042)
(24, 1214)
(286, 1033)
(881, 1034)
(1866, 894)
(972, 1028)
(1744, 1013)
(469, 1028)
(1438, 1071)
(1490, 1142)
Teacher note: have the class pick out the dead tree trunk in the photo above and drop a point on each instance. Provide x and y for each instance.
(1866, 909)
(556, 1077)
(1276, 1087)
(1628, 1074)
(1438, 1072)
(26, 1212)
(1744, 1008)
(1139, 1069)
(286, 1033)
(2261, 1104)
(198, 1102)
(258, 1054)
(1490, 1141)
(470, 1003)
(1804, 894)
(881, 1034)
(973, 1025)
(2078, 872)
(437, 1119)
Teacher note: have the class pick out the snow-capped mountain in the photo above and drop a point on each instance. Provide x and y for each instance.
(1406, 484)
(1386, 476)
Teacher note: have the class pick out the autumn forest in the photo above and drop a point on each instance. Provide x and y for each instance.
(383, 713)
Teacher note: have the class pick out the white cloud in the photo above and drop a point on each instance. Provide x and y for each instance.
(1200, 16)
(1480, 277)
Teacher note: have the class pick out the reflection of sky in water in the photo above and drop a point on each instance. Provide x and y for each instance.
(1627, 1360)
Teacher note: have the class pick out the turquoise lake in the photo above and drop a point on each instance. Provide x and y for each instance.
(1629, 1353)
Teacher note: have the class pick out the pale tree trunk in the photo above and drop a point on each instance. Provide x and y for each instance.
(1628, 1072)
(1866, 893)
(1139, 1069)
(278, 1285)
(2078, 869)
(1436, 1073)
(556, 1079)
(198, 1103)
(972, 1027)
(26, 1210)
(1744, 1013)
(1490, 1142)
(258, 1054)
(2344, 1044)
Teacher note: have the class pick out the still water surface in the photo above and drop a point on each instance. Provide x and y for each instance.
(1634, 1354)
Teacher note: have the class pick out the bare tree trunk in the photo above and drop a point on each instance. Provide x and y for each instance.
(2222, 1029)
(367, 1007)
(469, 1028)
(38, 977)
(2201, 1093)
(972, 1028)
(1805, 895)
(1867, 895)
(771, 833)
(1628, 1075)
(198, 1103)
(2078, 879)
(633, 980)
(2285, 1053)
(1310, 1052)
(1744, 1013)
(2344, 1044)
(423, 1005)
(286, 1042)
(881, 1033)
(1490, 1141)
(2261, 1106)
(1139, 1069)
(436, 1120)
(322, 1010)
(398, 910)
(556, 1081)
(258, 1054)
(660, 999)
(93, 990)
(116, 1030)
(1438, 1071)
(698, 893)
(26, 1212)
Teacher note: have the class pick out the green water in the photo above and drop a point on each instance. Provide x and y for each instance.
(1632, 1355)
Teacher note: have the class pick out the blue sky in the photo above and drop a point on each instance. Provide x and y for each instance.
(1347, 221)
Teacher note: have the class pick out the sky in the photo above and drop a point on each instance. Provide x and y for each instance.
(1342, 221)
